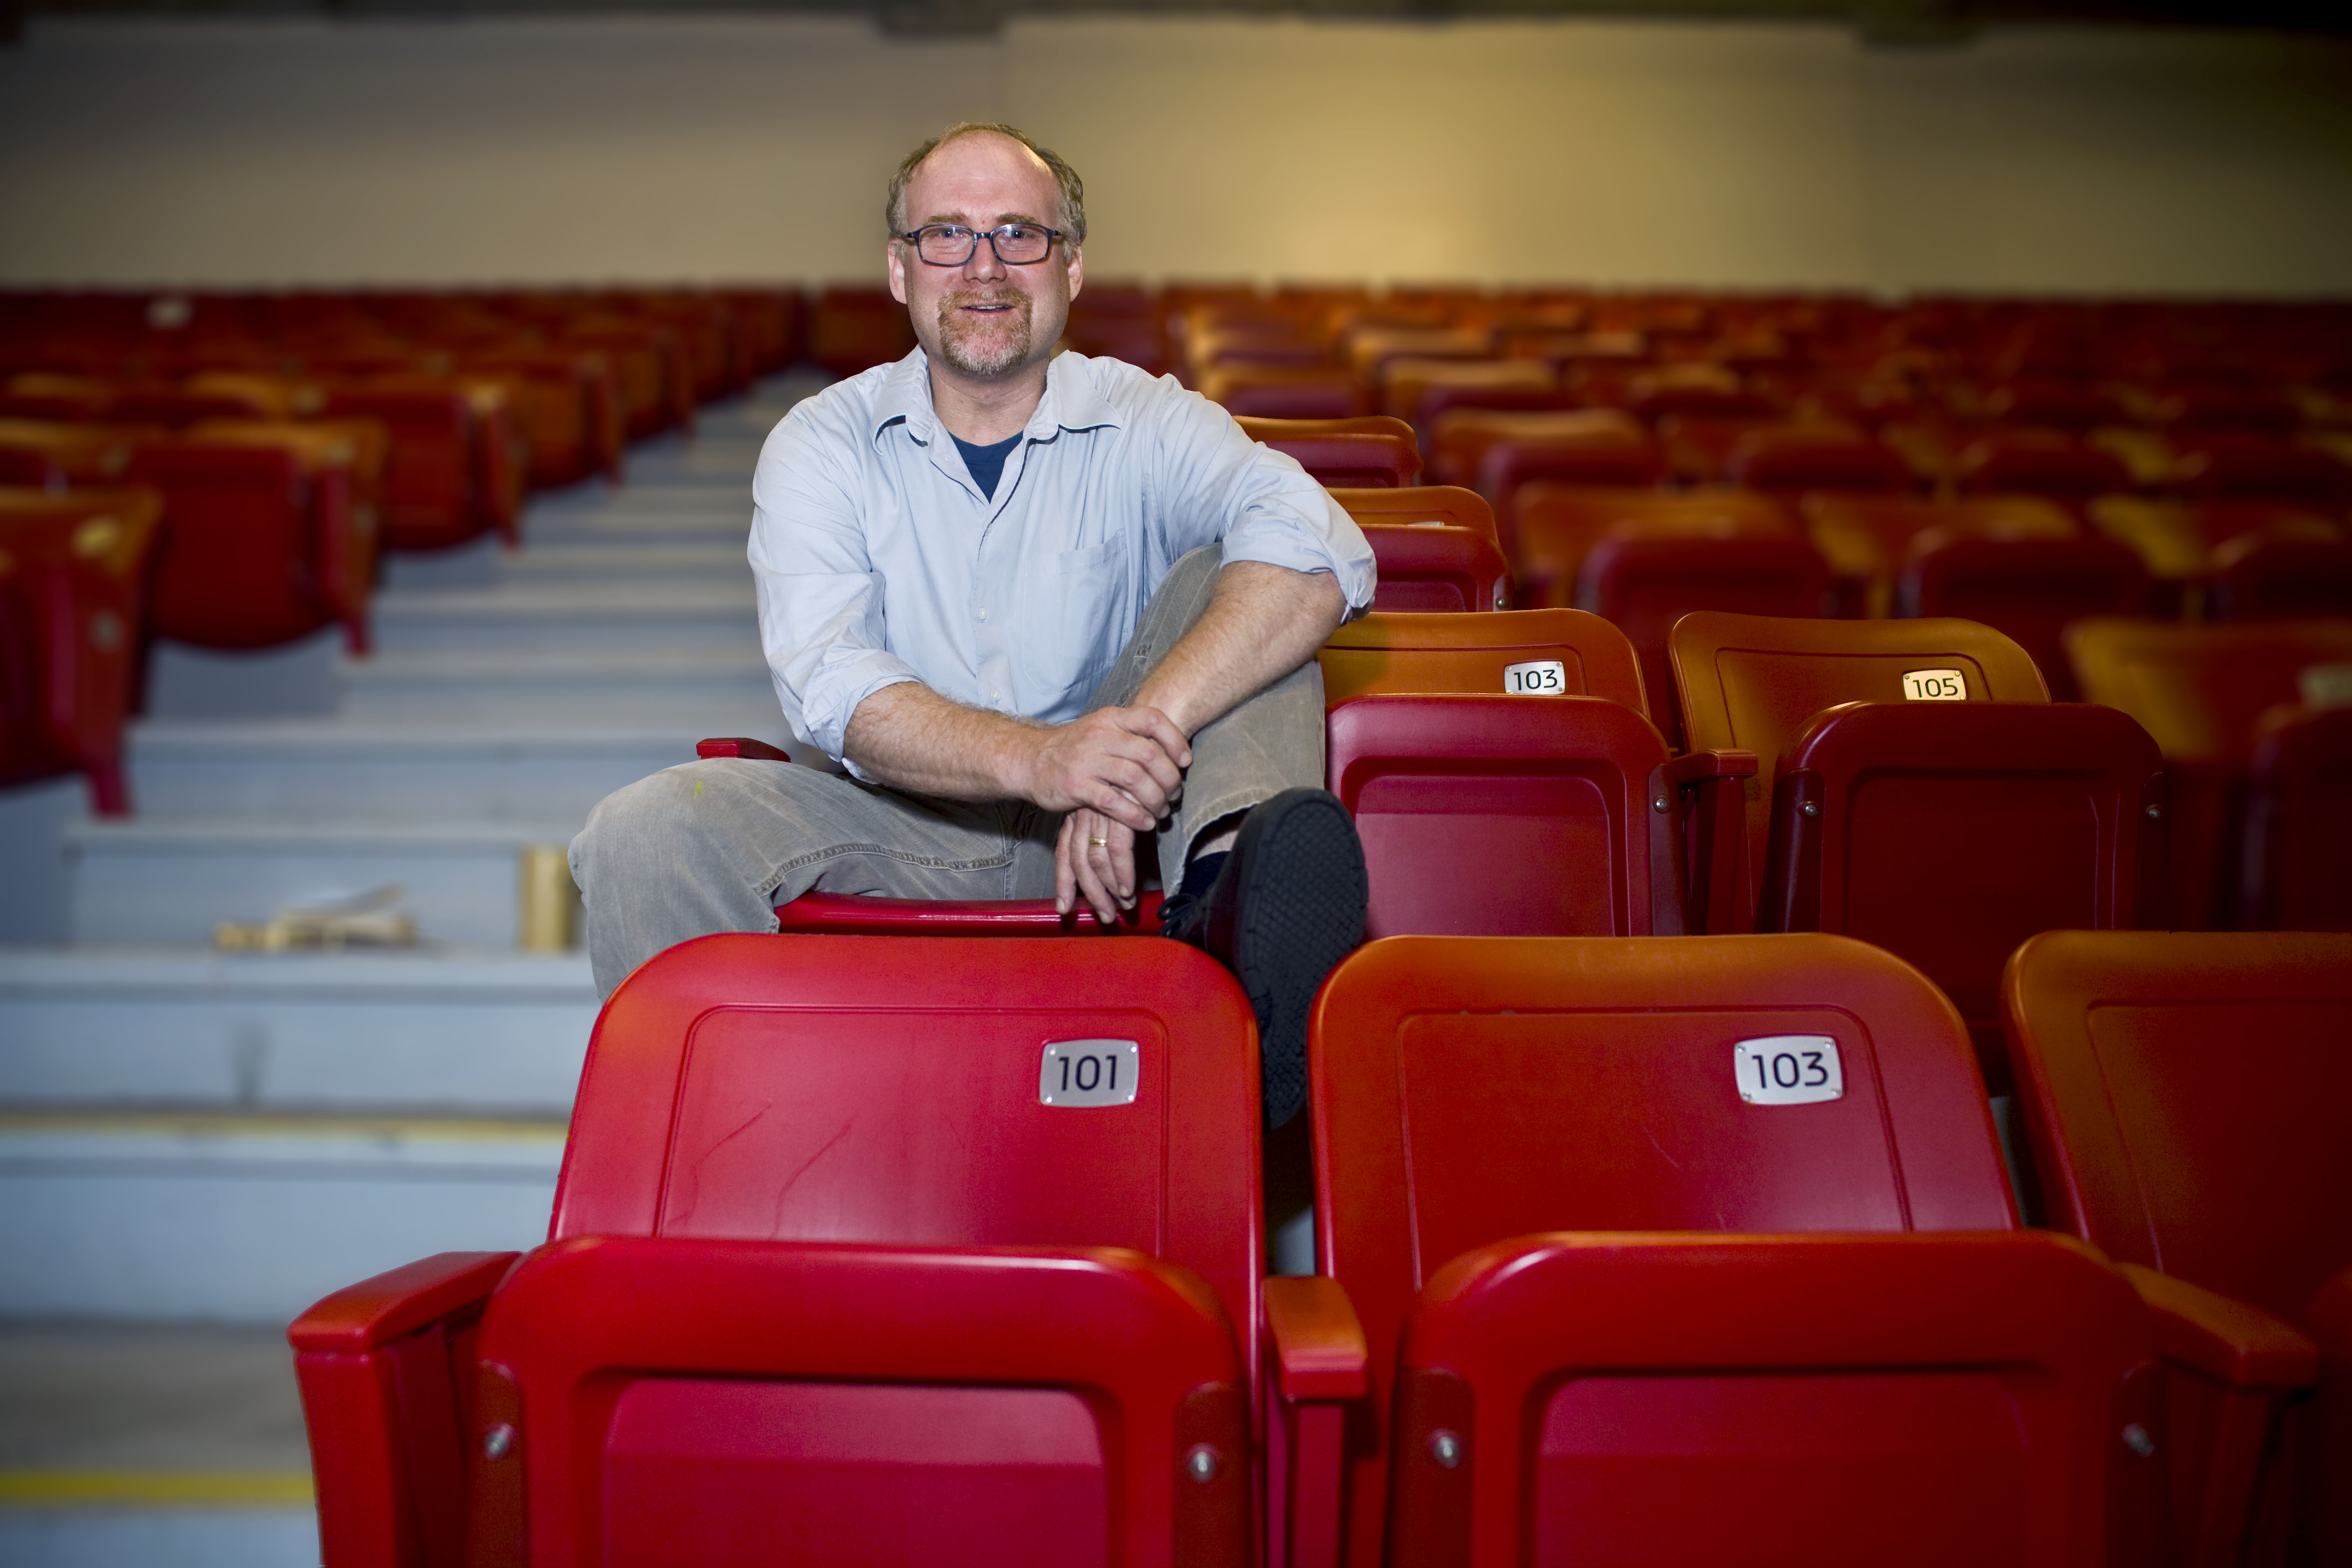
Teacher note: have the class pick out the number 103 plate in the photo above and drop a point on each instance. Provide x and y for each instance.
(1787, 1070)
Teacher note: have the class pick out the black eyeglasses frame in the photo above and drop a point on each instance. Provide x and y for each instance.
(913, 237)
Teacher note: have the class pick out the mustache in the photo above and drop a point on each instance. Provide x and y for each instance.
(963, 297)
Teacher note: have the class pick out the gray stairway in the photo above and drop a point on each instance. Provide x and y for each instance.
(194, 1137)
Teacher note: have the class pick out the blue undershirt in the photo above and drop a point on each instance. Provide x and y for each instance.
(987, 463)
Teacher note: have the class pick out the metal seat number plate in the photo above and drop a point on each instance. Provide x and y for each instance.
(1538, 678)
(1787, 1070)
(1078, 1074)
(1934, 685)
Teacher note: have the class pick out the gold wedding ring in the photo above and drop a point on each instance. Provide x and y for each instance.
(1100, 843)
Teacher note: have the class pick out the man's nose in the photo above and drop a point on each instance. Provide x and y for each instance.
(984, 265)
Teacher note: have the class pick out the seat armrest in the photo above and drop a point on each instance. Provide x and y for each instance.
(1314, 1342)
(2224, 1338)
(373, 1313)
(742, 746)
(1719, 886)
(1695, 768)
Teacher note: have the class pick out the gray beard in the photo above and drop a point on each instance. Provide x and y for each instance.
(977, 351)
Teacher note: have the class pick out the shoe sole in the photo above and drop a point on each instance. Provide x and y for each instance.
(1300, 909)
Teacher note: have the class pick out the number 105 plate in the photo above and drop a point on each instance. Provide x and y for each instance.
(1787, 1070)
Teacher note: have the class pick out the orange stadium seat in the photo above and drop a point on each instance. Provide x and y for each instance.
(73, 577)
(2027, 589)
(1012, 1319)
(1497, 452)
(2237, 466)
(2187, 1098)
(1793, 458)
(1748, 685)
(2054, 464)
(1450, 505)
(1369, 451)
(1419, 390)
(1477, 654)
(1639, 1231)
(2176, 539)
(47, 453)
(852, 330)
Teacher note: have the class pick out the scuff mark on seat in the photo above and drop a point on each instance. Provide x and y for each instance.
(776, 1214)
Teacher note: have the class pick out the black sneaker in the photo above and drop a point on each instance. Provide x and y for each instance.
(1288, 905)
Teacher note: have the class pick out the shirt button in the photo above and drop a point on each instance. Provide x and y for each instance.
(984, 615)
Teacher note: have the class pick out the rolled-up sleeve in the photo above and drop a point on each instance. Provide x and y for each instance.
(1260, 501)
(821, 599)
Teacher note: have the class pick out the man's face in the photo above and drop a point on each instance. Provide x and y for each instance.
(984, 319)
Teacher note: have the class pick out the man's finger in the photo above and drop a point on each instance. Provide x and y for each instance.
(1065, 871)
(1097, 896)
(1109, 801)
(1151, 721)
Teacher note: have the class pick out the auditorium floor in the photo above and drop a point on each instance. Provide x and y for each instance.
(124, 1399)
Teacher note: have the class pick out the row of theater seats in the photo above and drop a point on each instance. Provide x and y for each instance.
(225, 471)
(1660, 1252)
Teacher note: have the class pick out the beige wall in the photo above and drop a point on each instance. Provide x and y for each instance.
(641, 149)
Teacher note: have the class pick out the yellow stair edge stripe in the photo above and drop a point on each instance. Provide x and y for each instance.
(156, 1489)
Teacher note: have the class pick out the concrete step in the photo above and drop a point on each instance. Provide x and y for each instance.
(447, 1031)
(175, 878)
(713, 563)
(592, 685)
(728, 525)
(138, 1445)
(542, 771)
(250, 1218)
(503, 621)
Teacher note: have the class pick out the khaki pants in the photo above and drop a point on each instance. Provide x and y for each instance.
(714, 846)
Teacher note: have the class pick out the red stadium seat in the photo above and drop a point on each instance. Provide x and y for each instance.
(1449, 504)
(2039, 462)
(993, 1321)
(1529, 1151)
(1369, 349)
(1373, 450)
(1250, 390)
(1557, 525)
(2202, 692)
(1643, 583)
(2066, 405)
(1419, 390)
(260, 543)
(1425, 567)
(2238, 466)
(73, 573)
(1748, 685)
(1498, 453)
(453, 470)
(1948, 832)
(2297, 861)
(2029, 590)
(2262, 577)
(1790, 459)
(1865, 539)
(1501, 816)
(2187, 1096)
(852, 330)
(2176, 539)
(44, 455)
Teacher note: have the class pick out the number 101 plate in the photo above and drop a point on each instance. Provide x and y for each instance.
(1787, 1070)
(1084, 1073)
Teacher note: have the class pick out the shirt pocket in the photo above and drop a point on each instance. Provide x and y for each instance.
(1074, 612)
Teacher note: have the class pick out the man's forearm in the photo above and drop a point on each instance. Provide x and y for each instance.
(1262, 622)
(911, 738)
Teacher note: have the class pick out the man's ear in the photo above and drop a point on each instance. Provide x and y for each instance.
(1078, 268)
(898, 268)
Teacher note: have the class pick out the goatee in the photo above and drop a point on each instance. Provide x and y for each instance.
(989, 345)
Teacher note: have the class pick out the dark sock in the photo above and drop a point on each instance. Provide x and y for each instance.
(1201, 874)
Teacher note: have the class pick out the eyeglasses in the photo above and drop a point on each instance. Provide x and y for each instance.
(952, 245)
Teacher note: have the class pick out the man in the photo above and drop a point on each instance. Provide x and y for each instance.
(1036, 606)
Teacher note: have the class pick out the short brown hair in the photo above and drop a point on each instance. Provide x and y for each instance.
(1072, 218)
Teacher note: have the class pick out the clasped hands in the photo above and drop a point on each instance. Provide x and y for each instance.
(1116, 772)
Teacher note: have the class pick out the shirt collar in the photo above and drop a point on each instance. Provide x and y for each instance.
(1071, 401)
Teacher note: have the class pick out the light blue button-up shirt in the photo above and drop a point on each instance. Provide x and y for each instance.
(878, 560)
